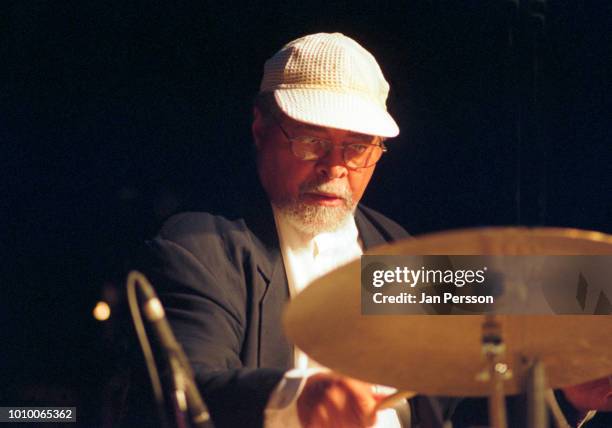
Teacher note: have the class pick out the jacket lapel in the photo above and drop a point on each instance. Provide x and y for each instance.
(273, 350)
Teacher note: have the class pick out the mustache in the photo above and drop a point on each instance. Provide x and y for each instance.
(340, 189)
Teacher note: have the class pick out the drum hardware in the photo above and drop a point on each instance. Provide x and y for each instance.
(521, 354)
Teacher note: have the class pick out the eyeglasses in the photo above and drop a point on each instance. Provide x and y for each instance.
(355, 155)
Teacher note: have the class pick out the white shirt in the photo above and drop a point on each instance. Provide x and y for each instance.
(307, 258)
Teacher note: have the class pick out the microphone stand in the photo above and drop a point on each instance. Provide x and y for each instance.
(186, 396)
(179, 396)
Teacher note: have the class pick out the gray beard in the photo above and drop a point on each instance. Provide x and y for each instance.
(314, 219)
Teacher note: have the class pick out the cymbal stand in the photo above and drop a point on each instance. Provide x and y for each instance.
(496, 371)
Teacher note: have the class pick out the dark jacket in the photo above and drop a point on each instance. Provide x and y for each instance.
(223, 285)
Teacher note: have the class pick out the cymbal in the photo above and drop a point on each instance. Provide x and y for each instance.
(441, 355)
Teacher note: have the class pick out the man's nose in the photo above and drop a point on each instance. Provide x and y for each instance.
(332, 165)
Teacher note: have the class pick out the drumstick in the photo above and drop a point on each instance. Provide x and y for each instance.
(391, 400)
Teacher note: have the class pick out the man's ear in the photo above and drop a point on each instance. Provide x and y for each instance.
(258, 128)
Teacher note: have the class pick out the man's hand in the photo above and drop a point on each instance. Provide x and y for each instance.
(593, 395)
(332, 400)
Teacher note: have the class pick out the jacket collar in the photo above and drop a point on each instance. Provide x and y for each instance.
(369, 234)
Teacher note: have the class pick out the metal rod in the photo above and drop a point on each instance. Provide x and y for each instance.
(537, 416)
(493, 348)
(497, 402)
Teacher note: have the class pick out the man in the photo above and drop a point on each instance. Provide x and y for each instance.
(319, 127)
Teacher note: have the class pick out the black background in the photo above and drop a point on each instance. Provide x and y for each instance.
(115, 114)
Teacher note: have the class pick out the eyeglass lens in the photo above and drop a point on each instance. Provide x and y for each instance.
(357, 155)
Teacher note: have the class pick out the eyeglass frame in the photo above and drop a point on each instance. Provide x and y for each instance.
(381, 144)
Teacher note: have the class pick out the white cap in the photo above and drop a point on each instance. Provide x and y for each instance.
(330, 80)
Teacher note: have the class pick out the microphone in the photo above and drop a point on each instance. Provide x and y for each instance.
(187, 394)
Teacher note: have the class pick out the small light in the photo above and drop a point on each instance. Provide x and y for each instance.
(501, 368)
(102, 311)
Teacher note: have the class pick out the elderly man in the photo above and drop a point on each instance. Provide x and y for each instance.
(319, 127)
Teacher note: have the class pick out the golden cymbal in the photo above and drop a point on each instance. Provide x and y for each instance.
(441, 355)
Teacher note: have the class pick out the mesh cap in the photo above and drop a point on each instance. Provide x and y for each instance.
(330, 80)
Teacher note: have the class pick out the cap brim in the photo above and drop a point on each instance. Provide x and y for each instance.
(339, 110)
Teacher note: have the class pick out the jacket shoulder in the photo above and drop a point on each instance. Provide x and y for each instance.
(189, 223)
(212, 239)
(189, 227)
